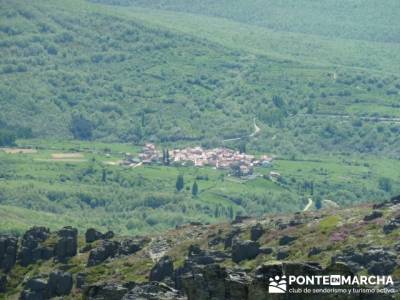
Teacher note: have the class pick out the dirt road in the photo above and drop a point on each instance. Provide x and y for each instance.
(254, 133)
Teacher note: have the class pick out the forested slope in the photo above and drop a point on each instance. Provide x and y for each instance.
(88, 71)
(370, 20)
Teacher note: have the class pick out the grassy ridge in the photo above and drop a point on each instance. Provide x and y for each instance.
(360, 20)
(302, 47)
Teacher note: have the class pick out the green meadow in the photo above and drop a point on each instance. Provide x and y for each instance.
(94, 190)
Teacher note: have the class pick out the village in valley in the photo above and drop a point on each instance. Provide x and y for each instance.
(239, 164)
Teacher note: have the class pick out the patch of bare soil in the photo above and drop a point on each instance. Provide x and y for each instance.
(64, 156)
(19, 150)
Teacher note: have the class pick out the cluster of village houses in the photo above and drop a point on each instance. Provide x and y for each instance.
(220, 158)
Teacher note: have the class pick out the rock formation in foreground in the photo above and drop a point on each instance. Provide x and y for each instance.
(230, 261)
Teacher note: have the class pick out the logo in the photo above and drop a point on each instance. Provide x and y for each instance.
(335, 280)
(277, 285)
(316, 284)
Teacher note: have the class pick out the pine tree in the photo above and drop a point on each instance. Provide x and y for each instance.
(312, 188)
(242, 147)
(318, 203)
(143, 119)
(163, 157)
(216, 212)
(179, 183)
(231, 213)
(104, 176)
(195, 189)
(167, 158)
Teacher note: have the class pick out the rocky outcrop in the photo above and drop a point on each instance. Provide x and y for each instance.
(108, 235)
(107, 291)
(8, 252)
(391, 225)
(35, 289)
(295, 221)
(286, 240)
(314, 251)
(205, 282)
(67, 243)
(60, 283)
(105, 250)
(380, 262)
(216, 282)
(282, 253)
(130, 246)
(242, 250)
(131, 291)
(3, 283)
(266, 250)
(230, 237)
(153, 291)
(214, 241)
(204, 274)
(202, 257)
(395, 200)
(197, 258)
(80, 280)
(377, 261)
(93, 235)
(164, 268)
(35, 246)
(339, 268)
(109, 249)
(258, 288)
(237, 285)
(57, 284)
(374, 215)
(256, 232)
(31, 248)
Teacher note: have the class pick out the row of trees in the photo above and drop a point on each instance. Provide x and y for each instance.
(7, 138)
(180, 184)
(8, 134)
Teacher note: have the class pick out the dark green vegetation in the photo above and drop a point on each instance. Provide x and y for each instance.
(323, 89)
(93, 72)
(360, 20)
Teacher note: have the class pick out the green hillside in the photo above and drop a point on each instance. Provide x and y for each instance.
(221, 141)
(370, 20)
(305, 48)
(102, 80)
(96, 72)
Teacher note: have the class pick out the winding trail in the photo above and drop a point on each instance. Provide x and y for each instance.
(310, 202)
(137, 165)
(254, 133)
(256, 129)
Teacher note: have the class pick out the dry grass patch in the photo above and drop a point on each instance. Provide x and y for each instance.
(18, 150)
(67, 155)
